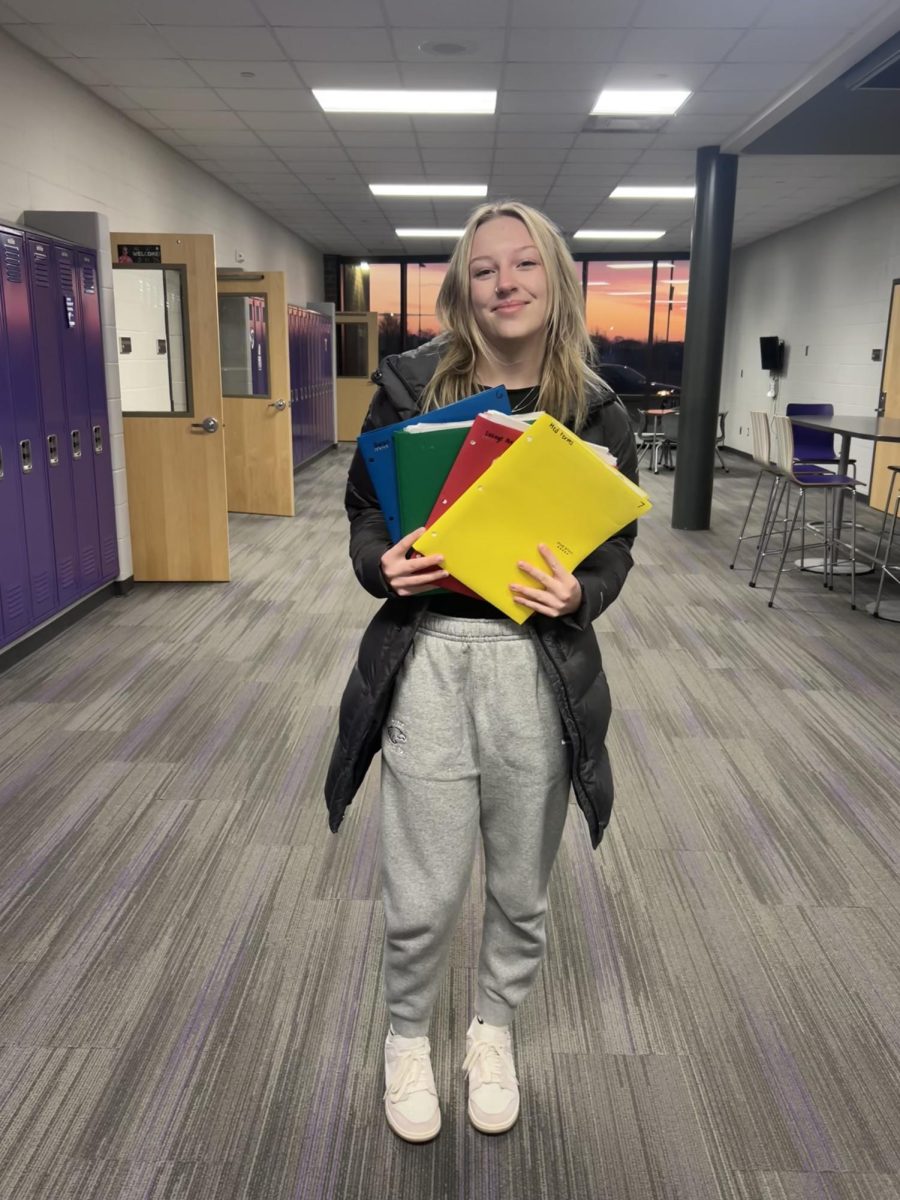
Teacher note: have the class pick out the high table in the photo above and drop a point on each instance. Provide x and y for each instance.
(868, 429)
(656, 413)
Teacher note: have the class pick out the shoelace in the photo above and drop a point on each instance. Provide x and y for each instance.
(494, 1064)
(411, 1074)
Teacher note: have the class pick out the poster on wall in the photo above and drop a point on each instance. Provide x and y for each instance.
(138, 254)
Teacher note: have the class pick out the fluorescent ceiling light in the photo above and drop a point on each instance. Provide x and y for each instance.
(597, 283)
(631, 266)
(428, 189)
(435, 233)
(385, 100)
(652, 193)
(619, 102)
(629, 293)
(621, 235)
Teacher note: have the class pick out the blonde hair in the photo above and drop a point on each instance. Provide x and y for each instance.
(566, 373)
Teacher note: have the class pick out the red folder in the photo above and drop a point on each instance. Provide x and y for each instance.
(486, 441)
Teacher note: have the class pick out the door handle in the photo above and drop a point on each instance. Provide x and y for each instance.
(882, 401)
(279, 405)
(207, 425)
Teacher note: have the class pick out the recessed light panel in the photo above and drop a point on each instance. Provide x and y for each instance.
(652, 193)
(428, 189)
(387, 100)
(614, 101)
(620, 235)
(433, 233)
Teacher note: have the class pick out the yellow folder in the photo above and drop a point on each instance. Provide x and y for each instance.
(550, 487)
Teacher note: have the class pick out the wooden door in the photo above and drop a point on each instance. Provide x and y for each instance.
(256, 386)
(172, 404)
(357, 357)
(888, 453)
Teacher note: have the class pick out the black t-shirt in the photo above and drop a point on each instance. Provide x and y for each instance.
(451, 604)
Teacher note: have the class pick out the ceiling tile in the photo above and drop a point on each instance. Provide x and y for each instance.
(848, 13)
(210, 42)
(551, 76)
(699, 14)
(298, 138)
(37, 39)
(476, 139)
(219, 137)
(786, 44)
(271, 121)
(658, 75)
(432, 14)
(563, 122)
(114, 96)
(374, 153)
(100, 12)
(670, 46)
(347, 14)
(518, 139)
(479, 75)
(564, 45)
(297, 99)
(541, 102)
(486, 45)
(192, 119)
(9, 15)
(246, 73)
(613, 141)
(322, 156)
(198, 12)
(149, 73)
(567, 13)
(746, 77)
(198, 99)
(109, 41)
(335, 45)
(148, 120)
(383, 140)
(367, 121)
(482, 123)
(349, 75)
(725, 103)
(80, 69)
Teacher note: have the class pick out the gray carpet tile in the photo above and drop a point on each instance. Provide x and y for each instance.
(190, 963)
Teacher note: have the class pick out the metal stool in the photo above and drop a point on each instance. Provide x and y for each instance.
(887, 567)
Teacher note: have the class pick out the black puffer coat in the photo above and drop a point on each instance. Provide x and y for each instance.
(567, 646)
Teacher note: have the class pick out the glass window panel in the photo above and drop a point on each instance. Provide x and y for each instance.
(384, 298)
(243, 345)
(353, 349)
(669, 320)
(152, 339)
(423, 282)
(618, 313)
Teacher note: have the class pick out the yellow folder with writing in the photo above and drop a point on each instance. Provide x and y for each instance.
(550, 487)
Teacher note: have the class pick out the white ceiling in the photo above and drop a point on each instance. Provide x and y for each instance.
(182, 69)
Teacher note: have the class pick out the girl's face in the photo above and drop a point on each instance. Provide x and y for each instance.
(507, 283)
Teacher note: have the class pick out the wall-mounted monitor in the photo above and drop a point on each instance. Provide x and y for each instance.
(771, 353)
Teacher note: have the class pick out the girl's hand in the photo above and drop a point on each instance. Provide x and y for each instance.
(560, 591)
(410, 576)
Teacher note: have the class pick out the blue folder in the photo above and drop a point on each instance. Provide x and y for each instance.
(377, 447)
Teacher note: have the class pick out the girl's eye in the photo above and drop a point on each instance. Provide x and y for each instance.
(482, 272)
(528, 262)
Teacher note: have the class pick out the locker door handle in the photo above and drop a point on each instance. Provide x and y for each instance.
(76, 443)
(25, 452)
(53, 450)
(279, 405)
(98, 439)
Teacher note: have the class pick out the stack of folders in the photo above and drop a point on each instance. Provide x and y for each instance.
(488, 487)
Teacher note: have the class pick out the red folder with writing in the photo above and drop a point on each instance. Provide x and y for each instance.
(491, 434)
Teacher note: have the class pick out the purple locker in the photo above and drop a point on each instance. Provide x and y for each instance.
(99, 441)
(294, 328)
(15, 597)
(72, 351)
(45, 318)
(29, 448)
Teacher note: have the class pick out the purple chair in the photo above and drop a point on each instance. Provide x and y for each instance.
(812, 445)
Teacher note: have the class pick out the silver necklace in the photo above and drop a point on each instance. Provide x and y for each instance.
(523, 404)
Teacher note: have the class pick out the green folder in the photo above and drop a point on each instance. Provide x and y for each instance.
(424, 455)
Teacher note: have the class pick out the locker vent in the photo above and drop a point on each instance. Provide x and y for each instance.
(89, 567)
(89, 277)
(12, 263)
(109, 552)
(65, 275)
(40, 591)
(41, 272)
(66, 572)
(14, 606)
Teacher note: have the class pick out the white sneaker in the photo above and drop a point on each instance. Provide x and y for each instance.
(493, 1086)
(410, 1097)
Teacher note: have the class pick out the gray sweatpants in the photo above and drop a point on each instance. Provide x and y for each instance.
(473, 742)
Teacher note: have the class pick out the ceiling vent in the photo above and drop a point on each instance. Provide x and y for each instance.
(600, 124)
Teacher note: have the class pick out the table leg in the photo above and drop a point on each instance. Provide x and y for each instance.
(656, 445)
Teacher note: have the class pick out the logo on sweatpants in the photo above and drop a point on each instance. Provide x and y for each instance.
(396, 735)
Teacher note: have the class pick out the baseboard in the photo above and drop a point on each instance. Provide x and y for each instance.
(34, 639)
(315, 457)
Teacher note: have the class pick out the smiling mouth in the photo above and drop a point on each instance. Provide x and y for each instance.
(509, 307)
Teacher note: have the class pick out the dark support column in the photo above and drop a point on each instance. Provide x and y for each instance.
(704, 337)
